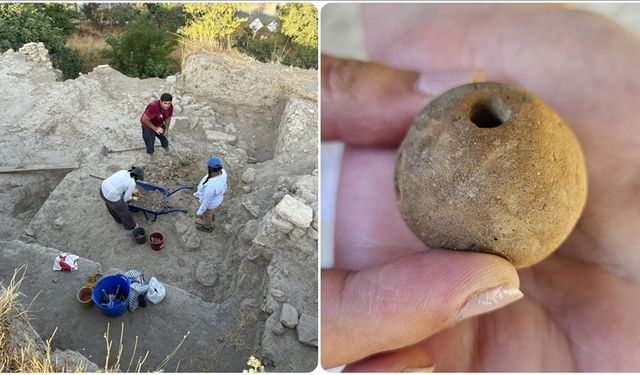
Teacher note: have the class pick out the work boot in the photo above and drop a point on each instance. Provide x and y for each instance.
(151, 158)
(167, 152)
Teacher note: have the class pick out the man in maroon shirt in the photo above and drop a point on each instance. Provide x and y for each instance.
(155, 121)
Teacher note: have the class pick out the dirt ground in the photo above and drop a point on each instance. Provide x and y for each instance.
(226, 287)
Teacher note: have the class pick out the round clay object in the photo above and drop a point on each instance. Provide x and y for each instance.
(488, 167)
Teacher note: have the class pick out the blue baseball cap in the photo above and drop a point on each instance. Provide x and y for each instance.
(214, 162)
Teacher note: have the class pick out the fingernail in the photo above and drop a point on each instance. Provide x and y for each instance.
(436, 83)
(489, 300)
(432, 368)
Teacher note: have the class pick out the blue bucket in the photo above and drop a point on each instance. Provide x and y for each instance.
(110, 284)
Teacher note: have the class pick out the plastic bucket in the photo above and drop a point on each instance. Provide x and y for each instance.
(138, 235)
(156, 241)
(108, 286)
(84, 296)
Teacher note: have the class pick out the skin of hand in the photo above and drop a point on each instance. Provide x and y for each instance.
(391, 304)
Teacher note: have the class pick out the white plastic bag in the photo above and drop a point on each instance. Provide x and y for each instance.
(65, 262)
(156, 291)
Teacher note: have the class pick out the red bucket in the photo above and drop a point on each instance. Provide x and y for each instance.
(156, 240)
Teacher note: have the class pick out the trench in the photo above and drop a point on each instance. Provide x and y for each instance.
(257, 127)
(22, 196)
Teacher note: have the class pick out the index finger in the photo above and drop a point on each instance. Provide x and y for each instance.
(367, 103)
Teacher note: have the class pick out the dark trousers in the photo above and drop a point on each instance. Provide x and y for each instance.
(149, 137)
(119, 211)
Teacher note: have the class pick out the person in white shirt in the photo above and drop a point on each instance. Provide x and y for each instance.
(117, 190)
(210, 193)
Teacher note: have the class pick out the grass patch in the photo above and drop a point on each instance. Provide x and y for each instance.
(88, 46)
(18, 351)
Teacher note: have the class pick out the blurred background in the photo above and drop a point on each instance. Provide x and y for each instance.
(342, 35)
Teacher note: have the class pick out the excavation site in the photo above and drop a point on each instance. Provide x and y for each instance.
(247, 288)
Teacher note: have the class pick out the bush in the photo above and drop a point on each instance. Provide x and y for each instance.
(275, 47)
(24, 23)
(301, 56)
(120, 15)
(167, 16)
(142, 51)
(68, 61)
(261, 49)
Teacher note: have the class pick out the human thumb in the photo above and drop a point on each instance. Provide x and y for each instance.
(407, 300)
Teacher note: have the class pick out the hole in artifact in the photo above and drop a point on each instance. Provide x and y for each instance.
(488, 115)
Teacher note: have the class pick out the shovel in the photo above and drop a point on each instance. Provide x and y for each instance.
(176, 151)
(106, 151)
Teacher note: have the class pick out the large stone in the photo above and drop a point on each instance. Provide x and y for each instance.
(250, 230)
(206, 273)
(253, 209)
(35, 52)
(289, 316)
(295, 211)
(249, 176)
(190, 239)
(180, 122)
(491, 168)
(213, 135)
(313, 233)
(71, 361)
(281, 225)
(296, 234)
(307, 188)
(278, 295)
(269, 306)
(278, 329)
(308, 329)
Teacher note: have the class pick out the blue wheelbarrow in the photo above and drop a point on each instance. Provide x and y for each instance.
(163, 209)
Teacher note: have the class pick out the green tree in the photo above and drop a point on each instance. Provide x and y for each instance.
(24, 23)
(62, 15)
(91, 14)
(168, 16)
(142, 51)
(299, 21)
(120, 15)
(211, 23)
